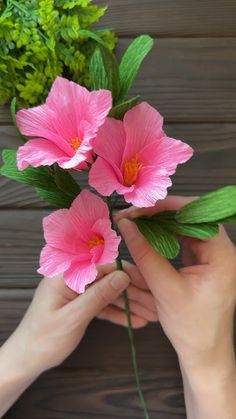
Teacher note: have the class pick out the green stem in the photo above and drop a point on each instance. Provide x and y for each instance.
(132, 346)
(130, 330)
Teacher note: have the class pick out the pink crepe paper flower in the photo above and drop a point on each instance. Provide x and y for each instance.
(136, 158)
(64, 126)
(77, 240)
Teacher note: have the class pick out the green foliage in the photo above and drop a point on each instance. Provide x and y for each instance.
(212, 207)
(104, 71)
(119, 111)
(40, 39)
(54, 185)
(198, 219)
(160, 238)
(131, 62)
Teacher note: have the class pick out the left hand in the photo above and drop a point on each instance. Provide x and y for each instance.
(57, 318)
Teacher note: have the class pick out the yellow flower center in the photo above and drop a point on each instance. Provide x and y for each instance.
(96, 240)
(76, 142)
(130, 170)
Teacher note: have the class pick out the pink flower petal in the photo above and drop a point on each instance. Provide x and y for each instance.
(106, 178)
(109, 252)
(71, 112)
(110, 141)
(85, 210)
(80, 275)
(151, 185)
(39, 153)
(166, 153)
(143, 125)
(54, 261)
(59, 232)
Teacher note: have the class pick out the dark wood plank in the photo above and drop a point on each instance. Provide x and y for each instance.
(170, 17)
(102, 335)
(212, 166)
(187, 79)
(97, 394)
(21, 239)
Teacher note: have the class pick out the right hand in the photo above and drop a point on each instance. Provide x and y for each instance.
(195, 304)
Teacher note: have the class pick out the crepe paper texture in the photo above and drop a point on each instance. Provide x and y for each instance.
(65, 126)
(121, 145)
(78, 239)
(139, 160)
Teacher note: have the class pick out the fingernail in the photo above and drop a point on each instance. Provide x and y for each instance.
(119, 281)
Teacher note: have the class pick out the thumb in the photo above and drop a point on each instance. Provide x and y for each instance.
(156, 270)
(102, 293)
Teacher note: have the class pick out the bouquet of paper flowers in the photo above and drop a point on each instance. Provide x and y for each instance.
(121, 144)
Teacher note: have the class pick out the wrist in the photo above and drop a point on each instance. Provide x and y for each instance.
(210, 390)
(16, 364)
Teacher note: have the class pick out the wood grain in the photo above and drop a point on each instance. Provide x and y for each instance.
(190, 80)
(97, 394)
(170, 17)
(21, 239)
(213, 165)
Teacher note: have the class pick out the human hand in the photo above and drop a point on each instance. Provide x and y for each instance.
(195, 304)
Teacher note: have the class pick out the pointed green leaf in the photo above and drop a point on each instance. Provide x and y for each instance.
(13, 115)
(36, 177)
(211, 207)
(104, 71)
(199, 231)
(131, 61)
(65, 182)
(56, 198)
(120, 110)
(162, 240)
(228, 220)
(97, 72)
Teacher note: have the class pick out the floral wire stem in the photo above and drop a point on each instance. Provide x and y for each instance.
(130, 330)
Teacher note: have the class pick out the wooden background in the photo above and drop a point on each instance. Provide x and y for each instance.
(190, 76)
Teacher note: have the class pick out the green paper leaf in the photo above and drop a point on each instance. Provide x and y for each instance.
(104, 71)
(36, 177)
(228, 220)
(97, 72)
(168, 222)
(131, 61)
(56, 198)
(65, 182)
(162, 240)
(211, 207)
(199, 231)
(120, 110)
(13, 115)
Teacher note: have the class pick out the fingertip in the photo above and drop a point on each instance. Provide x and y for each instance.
(119, 280)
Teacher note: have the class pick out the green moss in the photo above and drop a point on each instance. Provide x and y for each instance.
(40, 39)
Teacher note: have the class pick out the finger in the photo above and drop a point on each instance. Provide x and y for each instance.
(170, 203)
(135, 275)
(137, 309)
(118, 316)
(57, 292)
(129, 268)
(155, 269)
(142, 297)
(99, 295)
(213, 251)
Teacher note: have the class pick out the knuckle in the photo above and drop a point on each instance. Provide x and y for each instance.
(100, 295)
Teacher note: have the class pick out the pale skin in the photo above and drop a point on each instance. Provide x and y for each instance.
(195, 306)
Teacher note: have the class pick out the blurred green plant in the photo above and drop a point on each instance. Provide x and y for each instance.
(40, 39)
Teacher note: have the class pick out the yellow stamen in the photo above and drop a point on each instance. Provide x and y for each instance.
(76, 142)
(95, 240)
(130, 171)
